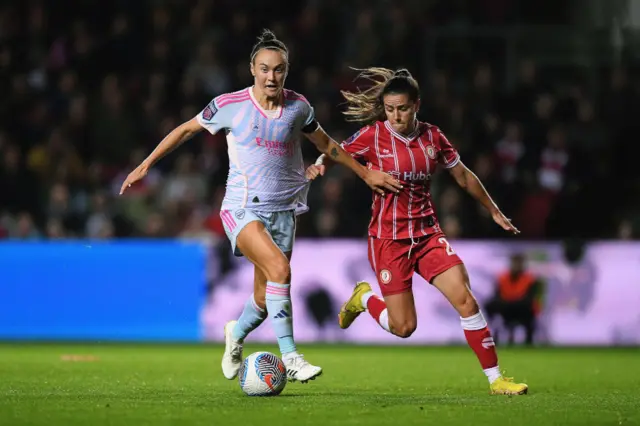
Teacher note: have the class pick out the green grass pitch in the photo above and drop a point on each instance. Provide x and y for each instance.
(182, 385)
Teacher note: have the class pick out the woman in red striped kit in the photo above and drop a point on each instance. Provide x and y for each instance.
(404, 234)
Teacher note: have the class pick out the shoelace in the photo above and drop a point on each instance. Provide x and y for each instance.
(299, 361)
(352, 310)
(505, 378)
(236, 352)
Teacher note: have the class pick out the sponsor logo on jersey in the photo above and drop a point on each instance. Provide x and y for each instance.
(411, 176)
(276, 148)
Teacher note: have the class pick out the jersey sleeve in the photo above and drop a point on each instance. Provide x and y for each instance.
(310, 115)
(448, 156)
(310, 124)
(358, 144)
(213, 118)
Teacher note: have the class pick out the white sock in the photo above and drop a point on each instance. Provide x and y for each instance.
(384, 320)
(474, 322)
(365, 298)
(493, 373)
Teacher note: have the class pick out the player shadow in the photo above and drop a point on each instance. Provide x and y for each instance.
(385, 400)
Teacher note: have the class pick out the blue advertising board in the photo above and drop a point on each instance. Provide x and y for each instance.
(131, 290)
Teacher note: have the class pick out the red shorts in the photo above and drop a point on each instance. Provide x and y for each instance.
(394, 267)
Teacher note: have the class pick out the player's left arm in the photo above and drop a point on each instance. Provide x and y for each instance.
(356, 146)
(468, 181)
(330, 148)
(378, 181)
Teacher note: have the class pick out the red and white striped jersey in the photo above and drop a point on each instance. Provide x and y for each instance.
(411, 159)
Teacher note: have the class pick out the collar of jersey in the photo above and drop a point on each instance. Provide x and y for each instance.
(262, 110)
(407, 139)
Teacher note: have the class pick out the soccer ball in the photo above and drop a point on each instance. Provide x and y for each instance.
(262, 374)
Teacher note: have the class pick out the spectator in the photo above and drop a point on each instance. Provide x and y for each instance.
(85, 96)
(516, 300)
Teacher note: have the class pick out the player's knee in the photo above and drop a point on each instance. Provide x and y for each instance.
(463, 300)
(405, 329)
(279, 271)
(467, 305)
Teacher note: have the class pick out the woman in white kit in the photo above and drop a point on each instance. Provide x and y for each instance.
(267, 184)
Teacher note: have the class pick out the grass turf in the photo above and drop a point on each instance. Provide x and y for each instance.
(182, 385)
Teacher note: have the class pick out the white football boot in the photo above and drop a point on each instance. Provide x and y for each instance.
(232, 358)
(298, 369)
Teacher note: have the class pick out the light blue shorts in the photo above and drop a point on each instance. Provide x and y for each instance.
(281, 226)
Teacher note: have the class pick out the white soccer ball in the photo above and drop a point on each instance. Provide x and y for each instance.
(262, 374)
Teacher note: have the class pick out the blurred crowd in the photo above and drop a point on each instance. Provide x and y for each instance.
(89, 90)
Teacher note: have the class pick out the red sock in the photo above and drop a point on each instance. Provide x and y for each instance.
(375, 306)
(480, 340)
(378, 310)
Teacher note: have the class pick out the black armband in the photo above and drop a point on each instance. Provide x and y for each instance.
(311, 127)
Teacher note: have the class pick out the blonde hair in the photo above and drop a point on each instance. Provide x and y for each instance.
(366, 106)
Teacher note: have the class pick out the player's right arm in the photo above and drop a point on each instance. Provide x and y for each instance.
(209, 118)
(174, 139)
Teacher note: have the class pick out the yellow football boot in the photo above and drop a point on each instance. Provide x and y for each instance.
(354, 307)
(506, 386)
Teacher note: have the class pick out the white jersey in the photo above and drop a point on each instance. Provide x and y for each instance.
(266, 169)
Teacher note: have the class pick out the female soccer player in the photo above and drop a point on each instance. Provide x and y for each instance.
(265, 187)
(404, 235)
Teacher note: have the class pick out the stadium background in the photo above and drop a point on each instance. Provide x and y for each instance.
(541, 99)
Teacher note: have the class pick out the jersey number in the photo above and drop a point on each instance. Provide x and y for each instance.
(449, 249)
